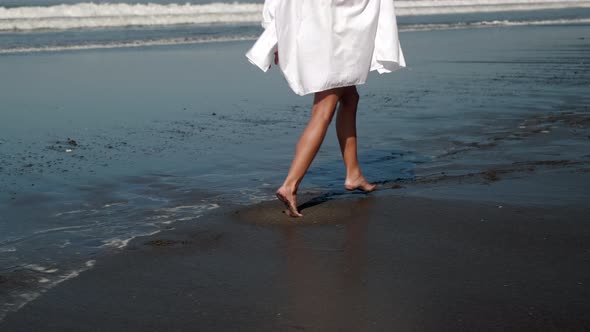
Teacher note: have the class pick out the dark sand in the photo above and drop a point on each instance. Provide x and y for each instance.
(372, 263)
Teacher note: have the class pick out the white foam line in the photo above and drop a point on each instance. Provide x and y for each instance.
(67, 212)
(130, 44)
(476, 3)
(418, 11)
(122, 243)
(117, 243)
(208, 206)
(490, 24)
(28, 297)
(56, 229)
(40, 232)
(39, 268)
(113, 204)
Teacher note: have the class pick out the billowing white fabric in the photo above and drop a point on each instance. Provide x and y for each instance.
(324, 44)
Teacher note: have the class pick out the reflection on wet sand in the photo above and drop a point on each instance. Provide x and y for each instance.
(326, 275)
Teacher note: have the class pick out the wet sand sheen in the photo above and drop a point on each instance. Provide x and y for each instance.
(371, 263)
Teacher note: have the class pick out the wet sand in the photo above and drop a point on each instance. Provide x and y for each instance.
(390, 262)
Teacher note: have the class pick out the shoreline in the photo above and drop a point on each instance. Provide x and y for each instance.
(493, 266)
(329, 212)
(480, 187)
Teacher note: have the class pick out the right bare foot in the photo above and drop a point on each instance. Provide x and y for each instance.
(290, 201)
(359, 183)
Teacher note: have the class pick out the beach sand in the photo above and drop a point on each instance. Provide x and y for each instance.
(480, 223)
(372, 263)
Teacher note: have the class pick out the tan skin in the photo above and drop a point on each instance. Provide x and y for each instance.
(324, 107)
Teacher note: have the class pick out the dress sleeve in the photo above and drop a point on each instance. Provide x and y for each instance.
(262, 53)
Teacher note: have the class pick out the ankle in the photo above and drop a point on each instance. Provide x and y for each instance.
(353, 174)
(289, 187)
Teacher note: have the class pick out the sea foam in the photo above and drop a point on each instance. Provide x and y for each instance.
(90, 15)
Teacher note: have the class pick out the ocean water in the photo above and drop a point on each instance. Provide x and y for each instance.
(47, 25)
(120, 119)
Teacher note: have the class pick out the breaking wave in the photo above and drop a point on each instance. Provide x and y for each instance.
(92, 15)
(109, 15)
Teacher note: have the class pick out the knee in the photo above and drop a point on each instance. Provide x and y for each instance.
(323, 114)
(324, 104)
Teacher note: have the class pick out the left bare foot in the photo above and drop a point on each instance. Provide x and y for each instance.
(289, 198)
(360, 183)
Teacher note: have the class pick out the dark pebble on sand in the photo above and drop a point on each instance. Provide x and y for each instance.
(159, 243)
(213, 113)
(165, 243)
(491, 175)
(72, 142)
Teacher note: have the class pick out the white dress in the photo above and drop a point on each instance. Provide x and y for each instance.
(324, 44)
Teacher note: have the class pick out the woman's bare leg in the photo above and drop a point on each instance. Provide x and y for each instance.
(324, 105)
(346, 130)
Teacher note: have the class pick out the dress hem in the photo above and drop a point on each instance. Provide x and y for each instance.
(300, 92)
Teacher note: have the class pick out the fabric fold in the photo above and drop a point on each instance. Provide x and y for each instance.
(262, 52)
(387, 55)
